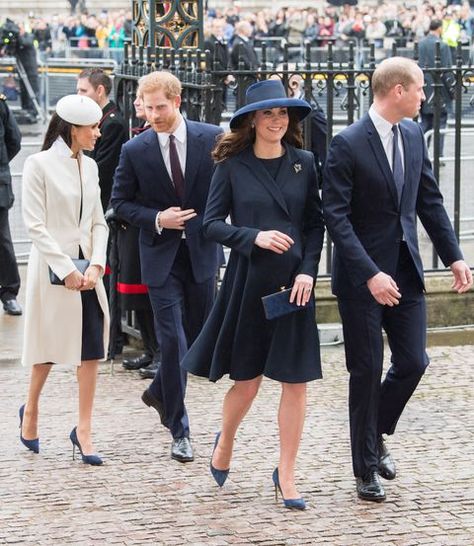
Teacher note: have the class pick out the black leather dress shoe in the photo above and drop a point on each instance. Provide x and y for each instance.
(136, 363)
(369, 487)
(149, 372)
(386, 465)
(151, 401)
(12, 307)
(182, 450)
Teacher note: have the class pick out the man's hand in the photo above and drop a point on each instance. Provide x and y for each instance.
(273, 240)
(175, 217)
(462, 276)
(384, 289)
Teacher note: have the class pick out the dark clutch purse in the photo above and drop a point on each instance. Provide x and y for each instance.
(81, 266)
(278, 304)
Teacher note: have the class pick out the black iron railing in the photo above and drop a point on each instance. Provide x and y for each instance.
(341, 89)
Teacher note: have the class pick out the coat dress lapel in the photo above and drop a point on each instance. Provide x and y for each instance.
(381, 156)
(263, 176)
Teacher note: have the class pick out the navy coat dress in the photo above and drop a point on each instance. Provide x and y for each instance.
(237, 339)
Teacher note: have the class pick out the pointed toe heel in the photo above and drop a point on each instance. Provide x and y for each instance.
(220, 476)
(32, 445)
(93, 460)
(292, 504)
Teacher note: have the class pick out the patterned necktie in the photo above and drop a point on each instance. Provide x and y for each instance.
(397, 166)
(176, 173)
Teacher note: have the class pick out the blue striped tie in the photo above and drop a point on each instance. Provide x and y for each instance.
(397, 166)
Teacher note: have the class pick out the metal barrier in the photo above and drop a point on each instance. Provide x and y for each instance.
(21, 241)
(341, 52)
(58, 77)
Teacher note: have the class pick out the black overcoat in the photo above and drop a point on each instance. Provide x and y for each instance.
(426, 59)
(106, 153)
(237, 339)
(10, 145)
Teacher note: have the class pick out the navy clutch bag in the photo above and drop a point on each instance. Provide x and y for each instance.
(278, 304)
(81, 266)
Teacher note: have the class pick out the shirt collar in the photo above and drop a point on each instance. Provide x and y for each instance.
(179, 133)
(383, 126)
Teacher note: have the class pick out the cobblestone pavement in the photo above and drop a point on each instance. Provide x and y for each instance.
(139, 496)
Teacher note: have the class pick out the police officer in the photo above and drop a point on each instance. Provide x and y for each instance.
(10, 144)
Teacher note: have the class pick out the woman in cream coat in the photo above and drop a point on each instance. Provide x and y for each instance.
(63, 215)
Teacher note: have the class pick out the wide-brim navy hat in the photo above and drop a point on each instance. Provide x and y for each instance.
(268, 94)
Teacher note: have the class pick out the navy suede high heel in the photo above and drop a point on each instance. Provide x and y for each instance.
(294, 504)
(32, 445)
(219, 475)
(86, 459)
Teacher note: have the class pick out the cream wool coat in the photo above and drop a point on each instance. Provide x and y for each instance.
(51, 205)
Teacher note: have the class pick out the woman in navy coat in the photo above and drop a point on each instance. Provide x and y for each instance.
(268, 187)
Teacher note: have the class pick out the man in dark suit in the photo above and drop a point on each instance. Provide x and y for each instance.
(10, 144)
(161, 186)
(96, 84)
(243, 56)
(377, 180)
(427, 56)
(219, 54)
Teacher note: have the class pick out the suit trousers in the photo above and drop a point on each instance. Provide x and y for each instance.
(180, 307)
(146, 325)
(9, 275)
(375, 406)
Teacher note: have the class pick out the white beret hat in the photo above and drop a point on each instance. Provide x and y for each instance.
(78, 110)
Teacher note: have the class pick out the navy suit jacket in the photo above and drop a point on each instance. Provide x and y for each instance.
(362, 213)
(142, 187)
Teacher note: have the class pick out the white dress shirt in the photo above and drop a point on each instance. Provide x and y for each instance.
(384, 129)
(180, 141)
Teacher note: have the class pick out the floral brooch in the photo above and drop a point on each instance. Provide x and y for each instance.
(297, 167)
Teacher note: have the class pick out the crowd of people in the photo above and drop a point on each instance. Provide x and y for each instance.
(398, 21)
(385, 23)
(54, 35)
